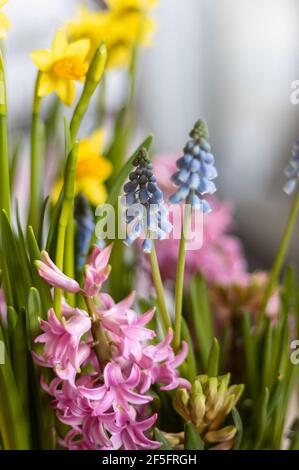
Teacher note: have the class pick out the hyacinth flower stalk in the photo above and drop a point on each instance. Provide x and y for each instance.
(146, 214)
(290, 187)
(194, 179)
(4, 163)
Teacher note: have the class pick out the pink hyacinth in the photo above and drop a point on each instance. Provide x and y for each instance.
(106, 407)
(95, 274)
(220, 259)
(97, 270)
(63, 350)
(53, 276)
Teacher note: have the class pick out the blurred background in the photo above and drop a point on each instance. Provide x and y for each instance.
(231, 62)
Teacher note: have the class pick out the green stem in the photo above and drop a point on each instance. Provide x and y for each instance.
(4, 163)
(35, 176)
(166, 323)
(66, 215)
(101, 343)
(179, 287)
(281, 253)
(69, 255)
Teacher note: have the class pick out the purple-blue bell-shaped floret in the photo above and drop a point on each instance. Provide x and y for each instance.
(292, 170)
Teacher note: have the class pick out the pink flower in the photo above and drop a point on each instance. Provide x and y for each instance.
(125, 326)
(63, 350)
(160, 365)
(220, 259)
(97, 270)
(53, 276)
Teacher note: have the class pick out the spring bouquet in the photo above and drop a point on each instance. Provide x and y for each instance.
(128, 318)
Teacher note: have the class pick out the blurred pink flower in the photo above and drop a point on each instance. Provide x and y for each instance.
(220, 259)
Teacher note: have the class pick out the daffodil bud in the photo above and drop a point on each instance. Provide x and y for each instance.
(98, 64)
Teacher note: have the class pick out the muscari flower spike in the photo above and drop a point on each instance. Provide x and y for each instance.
(146, 212)
(196, 171)
(292, 170)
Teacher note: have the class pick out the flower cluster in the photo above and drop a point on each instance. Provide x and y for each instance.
(105, 402)
(292, 170)
(145, 209)
(207, 404)
(196, 171)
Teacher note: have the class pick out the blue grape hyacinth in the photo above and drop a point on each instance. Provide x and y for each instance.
(196, 171)
(292, 170)
(145, 210)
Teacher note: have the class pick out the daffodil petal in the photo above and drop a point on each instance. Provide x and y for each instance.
(79, 49)
(3, 2)
(59, 45)
(42, 59)
(97, 140)
(94, 191)
(46, 85)
(66, 91)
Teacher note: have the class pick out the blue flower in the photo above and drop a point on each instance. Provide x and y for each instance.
(196, 171)
(145, 209)
(292, 170)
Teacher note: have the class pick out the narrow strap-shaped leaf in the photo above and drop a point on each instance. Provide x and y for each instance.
(250, 355)
(261, 417)
(193, 441)
(201, 318)
(189, 367)
(13, 426)
(160, 438)
(213, 361)
(34, 312)
(19, 361)
(239, 425)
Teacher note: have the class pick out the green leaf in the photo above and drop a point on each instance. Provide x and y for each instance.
(213, 361)
(188, 368)
(13, 426)
(201, 318)
(160, 438)
(250, 355)
(193, 440)
(34, 312)
(20, 363)
(239, 425)
(12, 317)
(261, 417)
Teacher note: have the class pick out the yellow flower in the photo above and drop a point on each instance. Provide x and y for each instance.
(123, 25)
(92, 170)
(61, 66)
(4, 21)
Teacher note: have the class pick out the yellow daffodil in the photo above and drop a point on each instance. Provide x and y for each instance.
(122, 25)
(92, 170)
(4, 21)
(61, 66)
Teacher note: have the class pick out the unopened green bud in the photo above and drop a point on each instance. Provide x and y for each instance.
(197, 407)
(181, 403)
